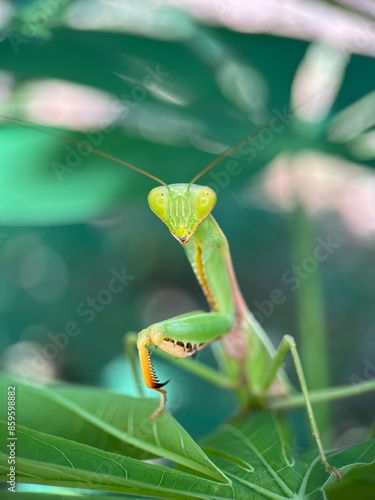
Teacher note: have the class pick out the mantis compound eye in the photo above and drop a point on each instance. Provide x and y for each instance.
(204, 202)
(158, 201)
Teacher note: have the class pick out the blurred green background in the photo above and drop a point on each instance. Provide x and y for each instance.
(160, 89)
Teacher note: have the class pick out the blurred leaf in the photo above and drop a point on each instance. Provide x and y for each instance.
(176, 129)
(357, 483)
(25, 495)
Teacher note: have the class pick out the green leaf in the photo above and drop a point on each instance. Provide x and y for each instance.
(107, 421)
(27, 495)
(68, 494)
(357, 483)
(46, 459)
(251, 457)
(254, 452)
(257, 468)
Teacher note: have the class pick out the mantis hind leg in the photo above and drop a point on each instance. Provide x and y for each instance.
(288, 344)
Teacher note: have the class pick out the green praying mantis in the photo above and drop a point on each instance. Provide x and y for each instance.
(253, 367)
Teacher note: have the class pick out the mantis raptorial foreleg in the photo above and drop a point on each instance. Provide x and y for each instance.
(215, 376)
(193, 331)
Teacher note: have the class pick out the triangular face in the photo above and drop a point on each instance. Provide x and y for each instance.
(182, 207)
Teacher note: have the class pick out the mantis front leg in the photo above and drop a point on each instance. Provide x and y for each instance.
(181, 337)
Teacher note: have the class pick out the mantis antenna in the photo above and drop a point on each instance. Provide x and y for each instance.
(230, 150)
(244, 141)
(74, 143)
(209, 167)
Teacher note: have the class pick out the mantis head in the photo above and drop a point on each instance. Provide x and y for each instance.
(182, 207)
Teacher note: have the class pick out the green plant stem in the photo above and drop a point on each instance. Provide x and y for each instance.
(310, 312)
(323, 396)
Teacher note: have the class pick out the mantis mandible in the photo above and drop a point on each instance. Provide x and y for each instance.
(254, 366)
